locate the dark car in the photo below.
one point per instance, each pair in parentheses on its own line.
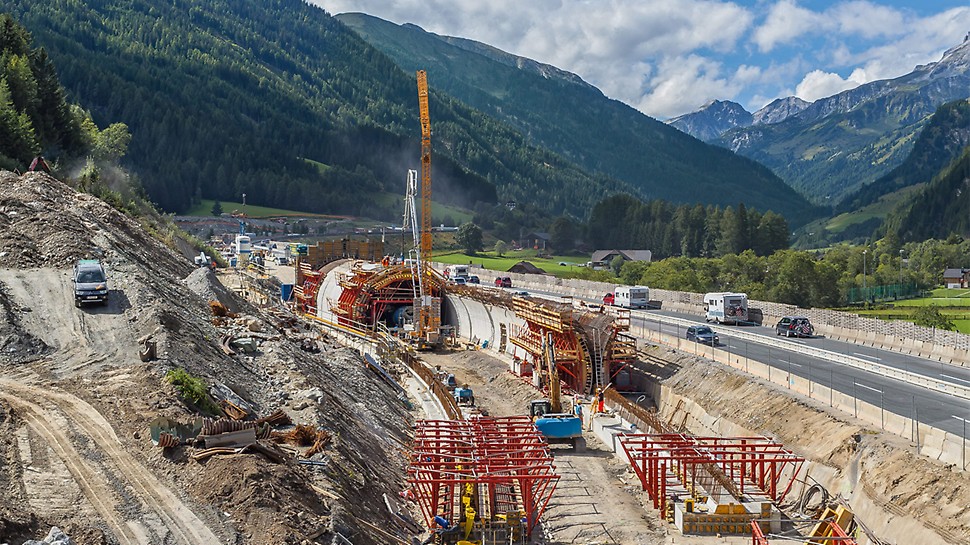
(702,334)
(474,280)
(794,326)
(90,282)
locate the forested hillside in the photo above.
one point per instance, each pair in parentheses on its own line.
(558,111)
(621,221)
(939,143)
(33,113)
(941,209)
(843,142)
(278,100)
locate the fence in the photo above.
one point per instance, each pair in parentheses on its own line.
(889,292)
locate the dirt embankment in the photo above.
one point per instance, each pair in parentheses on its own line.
(901,496)
(75,399)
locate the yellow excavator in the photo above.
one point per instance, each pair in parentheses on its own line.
(555,425)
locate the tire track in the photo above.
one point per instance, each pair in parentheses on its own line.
(93,486)
(184,526)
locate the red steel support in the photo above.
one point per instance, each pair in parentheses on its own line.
(757,460)
(506,459)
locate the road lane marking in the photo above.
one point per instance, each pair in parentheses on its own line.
(955,378)
(866,356)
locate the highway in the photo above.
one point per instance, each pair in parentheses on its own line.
(946,412)
(933,408)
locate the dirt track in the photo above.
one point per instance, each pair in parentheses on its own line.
(156,501)
(131,501)
(89,338)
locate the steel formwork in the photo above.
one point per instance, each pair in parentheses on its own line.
(748,461)
(591,348)
(481,472)
(370,292)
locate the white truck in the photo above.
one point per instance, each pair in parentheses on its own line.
(456,271)
(631,296)
(726,308)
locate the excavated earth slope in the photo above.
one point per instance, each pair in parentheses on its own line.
(76,400)
(901,496)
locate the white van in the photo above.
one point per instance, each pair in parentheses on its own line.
(456,271)
(726,308)
(631,296)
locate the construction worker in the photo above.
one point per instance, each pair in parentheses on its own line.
(600,401)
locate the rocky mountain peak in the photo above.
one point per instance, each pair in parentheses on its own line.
(713,119)
(779,109)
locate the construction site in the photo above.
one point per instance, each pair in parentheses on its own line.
(369,399)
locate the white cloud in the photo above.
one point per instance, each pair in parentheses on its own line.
(786,22)
(703,77)
(668,57)
(818,84)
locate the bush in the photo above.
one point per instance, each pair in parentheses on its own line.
(191,389)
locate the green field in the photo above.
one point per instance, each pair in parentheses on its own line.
(941,297)
(205,209)
(438,211)
(954,304)
(492,262)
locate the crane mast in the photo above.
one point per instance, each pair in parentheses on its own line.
(428,318)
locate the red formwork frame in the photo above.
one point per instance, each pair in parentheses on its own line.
(752,461)
(839,537)
(504,463)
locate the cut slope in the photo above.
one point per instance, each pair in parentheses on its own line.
(83,402)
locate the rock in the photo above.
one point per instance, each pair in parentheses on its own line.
(314,393)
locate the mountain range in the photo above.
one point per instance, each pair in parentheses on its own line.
(278,100)
(835,145)
(557,110)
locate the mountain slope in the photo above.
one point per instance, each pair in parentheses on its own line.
(941,209)
(941,141)
(843,142)
(278,100)
(713,120)
(575,120)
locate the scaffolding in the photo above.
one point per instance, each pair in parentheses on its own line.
(490,479)
(373,293)
(711,467)
(592,348)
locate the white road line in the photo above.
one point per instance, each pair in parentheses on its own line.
(868,387)
(955,378)
(867,356)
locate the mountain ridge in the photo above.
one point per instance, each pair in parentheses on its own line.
(578,122)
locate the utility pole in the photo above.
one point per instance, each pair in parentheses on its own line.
(865,289)
(899,290)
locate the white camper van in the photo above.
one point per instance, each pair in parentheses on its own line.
(726,308)
(631,296)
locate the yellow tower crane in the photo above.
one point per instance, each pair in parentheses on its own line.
(429,317)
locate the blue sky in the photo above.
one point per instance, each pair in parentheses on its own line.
(669,57)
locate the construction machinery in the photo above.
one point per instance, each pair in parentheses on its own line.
(555,425)
(428,330)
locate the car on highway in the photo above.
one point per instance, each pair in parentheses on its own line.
(90,282)
(794,326)
(459,281)
(474,280)
(503,282)
(520,293)
(702,334)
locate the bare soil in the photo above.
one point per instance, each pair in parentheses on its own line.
(76,401)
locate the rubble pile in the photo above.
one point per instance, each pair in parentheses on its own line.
(254,363)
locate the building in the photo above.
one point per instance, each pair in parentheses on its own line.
(606,257)
(956,278)
(536,240)
(524,267)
